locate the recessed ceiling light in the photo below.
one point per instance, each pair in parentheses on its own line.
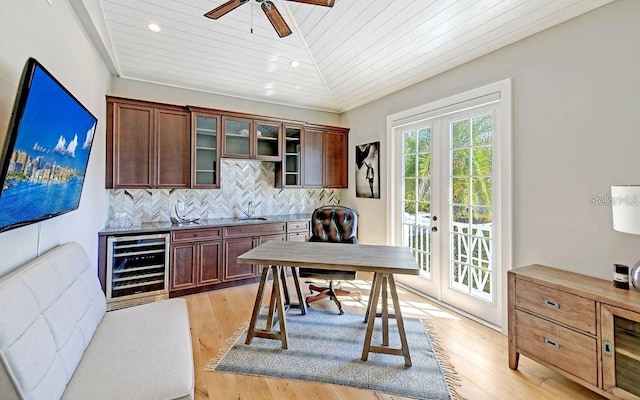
(153,27)
(294,64)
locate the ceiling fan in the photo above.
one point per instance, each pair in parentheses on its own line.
(269,9)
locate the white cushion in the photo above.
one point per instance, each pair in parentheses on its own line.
(141,353)
(50,310)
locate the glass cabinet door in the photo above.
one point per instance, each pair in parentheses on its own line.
(206,143)
(621,352)
(267,140)
(237,137)
(292,156)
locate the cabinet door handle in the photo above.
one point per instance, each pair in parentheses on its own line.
(607,348)
(551,304)
(551,343)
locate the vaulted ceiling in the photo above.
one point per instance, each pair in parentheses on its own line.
(348,55)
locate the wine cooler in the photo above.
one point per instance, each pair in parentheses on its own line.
(137,270)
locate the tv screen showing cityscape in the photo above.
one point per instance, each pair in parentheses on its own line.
(46,151)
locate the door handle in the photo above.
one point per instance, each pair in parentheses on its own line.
(434,229)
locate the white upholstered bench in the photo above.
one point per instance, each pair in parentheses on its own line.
(57,341)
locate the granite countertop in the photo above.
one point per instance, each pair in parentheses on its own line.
(159,227)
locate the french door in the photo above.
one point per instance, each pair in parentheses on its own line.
(448,209)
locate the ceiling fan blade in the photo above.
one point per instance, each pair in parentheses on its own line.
(326,3)
(276,19)
(225,8)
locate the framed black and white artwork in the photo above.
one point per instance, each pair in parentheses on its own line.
(368,170)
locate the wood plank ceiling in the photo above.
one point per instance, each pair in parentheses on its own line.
(348,55)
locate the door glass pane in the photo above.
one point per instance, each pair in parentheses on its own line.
(206,151)
(471,267)
(292,156)
(237,137)
(416,225)
(267,139)
(627,343)
(482,164)
(482,191)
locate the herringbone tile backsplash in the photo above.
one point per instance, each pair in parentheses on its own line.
(241,181)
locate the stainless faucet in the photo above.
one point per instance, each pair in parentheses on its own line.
(249,211)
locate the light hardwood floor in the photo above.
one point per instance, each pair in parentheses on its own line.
(478,353)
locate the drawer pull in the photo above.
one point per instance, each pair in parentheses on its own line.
(551,343)
(607,348)
(551,304)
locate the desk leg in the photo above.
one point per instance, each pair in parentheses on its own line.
(272,309)
(400,321)
(373,306)
(296,281)
(283,276)
(385,312)
(276,302)
(257,305)
(277,287)
(386,279)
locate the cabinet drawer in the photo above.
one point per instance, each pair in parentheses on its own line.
(190,235)
(566,349)
(297,237)
(254,230)
(298,226)
(566,308)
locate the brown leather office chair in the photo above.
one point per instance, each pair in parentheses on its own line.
(335,224)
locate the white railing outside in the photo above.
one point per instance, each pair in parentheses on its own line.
(471,261)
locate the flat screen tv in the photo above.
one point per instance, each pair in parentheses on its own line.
(46,151)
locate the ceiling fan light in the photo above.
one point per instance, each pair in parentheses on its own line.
(153,27)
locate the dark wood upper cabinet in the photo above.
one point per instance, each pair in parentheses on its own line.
(251,138)
(237,137)
(335,159)
(313,164)
(268,140)
(173,149)
(205,151)
(153,145)
(148,145)
(129,145)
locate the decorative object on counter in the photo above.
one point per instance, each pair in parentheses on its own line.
(621,276)
(634,276)
(368,170)
(123,220)
(176,218)
(625,208)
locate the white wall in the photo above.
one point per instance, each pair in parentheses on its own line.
(52,35)
(576,98)
(133,89)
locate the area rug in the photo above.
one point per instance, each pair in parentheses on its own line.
(326,347)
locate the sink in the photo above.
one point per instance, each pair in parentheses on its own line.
(252,219)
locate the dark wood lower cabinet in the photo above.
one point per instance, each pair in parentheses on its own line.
(195,264)
(183,266)
(206,258)
(232,249)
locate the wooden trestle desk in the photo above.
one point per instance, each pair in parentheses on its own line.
(383,261)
